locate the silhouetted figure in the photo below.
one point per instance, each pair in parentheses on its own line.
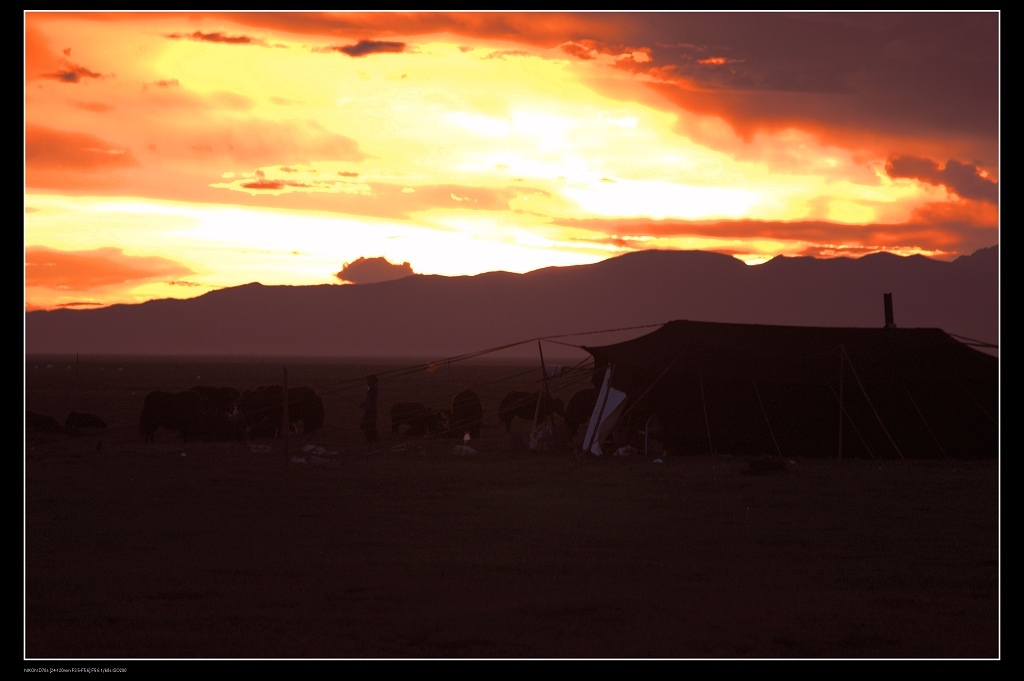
(369,423)
(580,408)
(467,414)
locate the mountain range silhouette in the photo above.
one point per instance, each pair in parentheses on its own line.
(432,316)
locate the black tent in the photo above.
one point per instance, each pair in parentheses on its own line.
(807,391)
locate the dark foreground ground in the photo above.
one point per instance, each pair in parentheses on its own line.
(171,551)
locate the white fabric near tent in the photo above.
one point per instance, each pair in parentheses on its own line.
(607,409)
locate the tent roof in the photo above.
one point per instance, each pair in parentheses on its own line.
(799,353)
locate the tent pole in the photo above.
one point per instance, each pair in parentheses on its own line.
(707,421)
(855,429)
(285,416)
(765,415)
(606,387)
(547,394)
(975,400)
(870,404)
(841,352)
(927,427)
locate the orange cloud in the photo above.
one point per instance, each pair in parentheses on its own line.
(46,148)
(543,29)
(843,92)
(102,267)
(963,222)
(213,38)
(938,229)
(837,73)
(272,184)
(720,229)
(67,160)
(170,94)
(250,143)
(580,50)
(377,199)
(95,107)
(39,55)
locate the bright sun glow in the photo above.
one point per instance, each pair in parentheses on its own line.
(204,151)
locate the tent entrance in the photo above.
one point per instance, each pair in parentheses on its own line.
(607,410)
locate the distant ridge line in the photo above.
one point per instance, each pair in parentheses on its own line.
(434,316)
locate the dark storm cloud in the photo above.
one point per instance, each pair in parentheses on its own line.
(370,270)
(927,74)
(214,38)
(716,70)
(366,47)
(963,179)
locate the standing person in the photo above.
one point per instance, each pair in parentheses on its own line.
(369,423)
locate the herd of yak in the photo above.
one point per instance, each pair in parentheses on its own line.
(466,413)
(222,414)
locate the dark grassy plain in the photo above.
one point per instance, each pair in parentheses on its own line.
(237,551)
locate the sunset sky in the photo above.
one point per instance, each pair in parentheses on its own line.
(170,154)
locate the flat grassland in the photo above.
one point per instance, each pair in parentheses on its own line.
(315,548)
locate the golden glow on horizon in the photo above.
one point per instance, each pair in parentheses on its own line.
(281,159)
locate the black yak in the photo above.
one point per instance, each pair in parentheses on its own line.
(223,399)
(41,423)
(467,414)
(217,427)
(262,409)
(77,419)
(181,411)
(419,419)
(524,405)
